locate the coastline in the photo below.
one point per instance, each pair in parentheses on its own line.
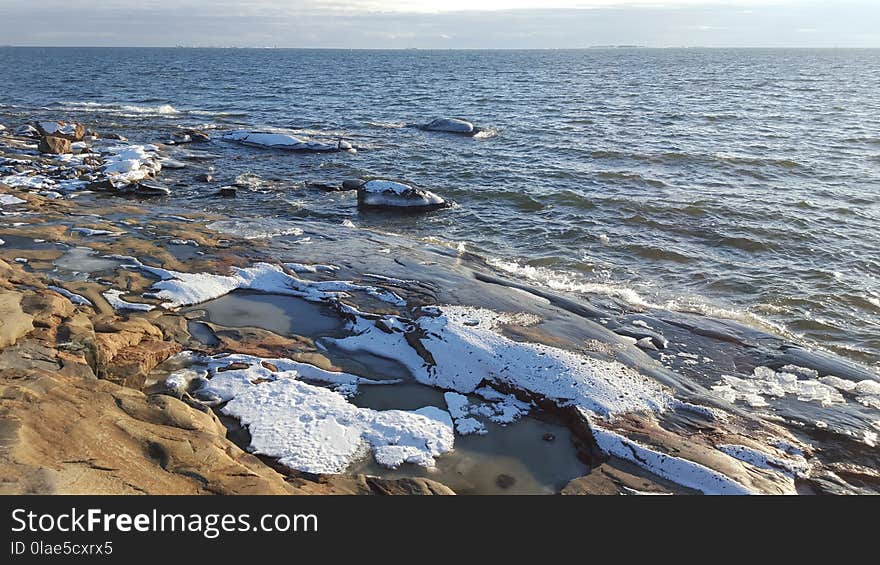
(136,296)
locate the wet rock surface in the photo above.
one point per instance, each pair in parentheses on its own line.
(115,313)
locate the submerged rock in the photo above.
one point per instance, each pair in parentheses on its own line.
(450,125)
(285,141)
(391,194)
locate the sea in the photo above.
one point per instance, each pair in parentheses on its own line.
(739,183)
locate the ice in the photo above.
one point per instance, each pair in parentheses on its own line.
(793,466)
(467,350)
(765,382)
(77,299)
(316,430)
(680,471)
(114,298)
(286,141)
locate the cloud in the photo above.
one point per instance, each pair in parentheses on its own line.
(439,23)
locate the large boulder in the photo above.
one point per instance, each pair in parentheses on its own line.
(392,194)
(54,145)
(67,130)
(450,125)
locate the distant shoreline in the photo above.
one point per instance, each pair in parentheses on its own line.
(464,49)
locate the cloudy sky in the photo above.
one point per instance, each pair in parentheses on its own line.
(442,23)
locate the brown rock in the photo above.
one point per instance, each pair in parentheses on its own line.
(79,131)
(47,307)
(607,479)
(14,322)
(129,367)
(68,435)
(54,145)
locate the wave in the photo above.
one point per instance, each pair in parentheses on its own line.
(126,109)
(564,282)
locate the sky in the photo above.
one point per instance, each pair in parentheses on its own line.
(442,24)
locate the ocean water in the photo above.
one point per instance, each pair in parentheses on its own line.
(739,183)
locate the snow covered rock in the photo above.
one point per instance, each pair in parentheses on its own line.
(128,164)
(285,141)
(391,194)
(67,130)
(450,125)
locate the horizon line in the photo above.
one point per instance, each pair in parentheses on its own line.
(585,48)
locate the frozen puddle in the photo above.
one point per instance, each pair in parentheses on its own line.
(81,262)
(512,459)
(283,315)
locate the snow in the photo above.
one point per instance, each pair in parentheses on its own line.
(765,382)
(24,180)
(128,164)
(387,193)
(453,125)
(58,127)
(794,466)
(458,409)
(468,350)
(77,299)
(184,289)
(89,232)
(114,298)
(316,430)
(300,268)
(680,471)
(226,384)
(10,200)
(284,141)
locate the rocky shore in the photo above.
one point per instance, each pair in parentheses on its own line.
(120,374)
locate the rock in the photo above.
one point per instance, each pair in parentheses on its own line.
(102,184)
(227,192)
(205,177)
(352,184)
(14,322)
(54,145)
(505,481)
(606,479)
(272,140)
(450,125)
(407,486)
(233,367)
(152,188)
(26,130)
(197,136)
(115,136)
(68,130)
(326,187)
(70,435)
(48,308)
(173,164)
(391,194)
(131,365)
